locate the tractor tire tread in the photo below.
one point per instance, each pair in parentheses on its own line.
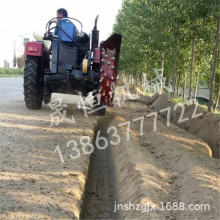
(33,87)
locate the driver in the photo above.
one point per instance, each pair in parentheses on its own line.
(61,13)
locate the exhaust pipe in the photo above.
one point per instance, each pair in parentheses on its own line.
(95,35)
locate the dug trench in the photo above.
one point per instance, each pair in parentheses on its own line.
(100,190)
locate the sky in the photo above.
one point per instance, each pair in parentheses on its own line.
(28,16)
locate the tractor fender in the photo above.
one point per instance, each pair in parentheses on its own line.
(34,49)
(38,49)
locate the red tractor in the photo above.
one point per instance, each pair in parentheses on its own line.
(72,66)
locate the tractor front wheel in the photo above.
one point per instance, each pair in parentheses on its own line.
(33,83)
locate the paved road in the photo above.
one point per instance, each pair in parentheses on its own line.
(11,89)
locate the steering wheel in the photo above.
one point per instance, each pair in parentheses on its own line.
(54,21)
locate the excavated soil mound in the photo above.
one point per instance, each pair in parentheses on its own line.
(196,121)
(162,166)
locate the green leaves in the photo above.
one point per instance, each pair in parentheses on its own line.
(153,27)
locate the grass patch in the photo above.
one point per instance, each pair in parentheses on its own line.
(180,100)
(11,72)
(201,104)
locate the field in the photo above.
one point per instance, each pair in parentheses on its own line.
(162,169)
(10,72)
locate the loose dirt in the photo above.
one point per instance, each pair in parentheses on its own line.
(197,120)
(166,166)
(34,183)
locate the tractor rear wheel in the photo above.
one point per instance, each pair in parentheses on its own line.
(33,83)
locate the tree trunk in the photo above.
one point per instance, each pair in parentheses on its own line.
(161,79)
(143,83)
(174,70)
(214,65)
(196,87)
(140,80)
(136,79)
(217,99)
(192,62)
(129,79)
(150,78)
(184,88)
(178,85)
(169,84)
